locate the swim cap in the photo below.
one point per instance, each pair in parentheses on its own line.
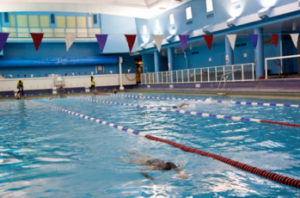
(174,107)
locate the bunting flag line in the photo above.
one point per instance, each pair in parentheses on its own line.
(158,38)
(101,38)
(209,40)
(3,39)
(37,39)
(275,38)
(232,39)
(70,40)
(183,41)
(295,38)
(130,40)
(254,38)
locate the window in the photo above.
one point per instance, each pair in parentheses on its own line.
(71,21)
(12,20)
(235,1)
(81,21)
(90,20)
(188,12)
(33,21)
(44,21)
(145,29)
(171,17)
(157,24)
(22,21)
(209,6)
(60,22)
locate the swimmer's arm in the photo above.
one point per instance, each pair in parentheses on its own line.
(181,173)
(138,155)
(143,172)
(182,105)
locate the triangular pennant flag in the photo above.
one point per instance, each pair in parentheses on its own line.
(183,41)
(84,73)
(101,38)
(46,75)
(24,75)
(66,74)
(18,75)
(130,40)
(69,40)
(232,39)
(254,38)
(158,38)
(209,40)
(37,39)
(295,38)
(79,73)
(3,39)
(275,38)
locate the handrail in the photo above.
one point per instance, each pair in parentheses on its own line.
(207,74)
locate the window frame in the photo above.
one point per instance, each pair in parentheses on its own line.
(212,6)
(186,13)
(171,19)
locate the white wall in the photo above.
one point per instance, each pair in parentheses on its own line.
(70,82)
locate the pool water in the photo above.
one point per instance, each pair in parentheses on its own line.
(49,153)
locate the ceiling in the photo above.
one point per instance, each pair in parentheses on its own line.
(133,8)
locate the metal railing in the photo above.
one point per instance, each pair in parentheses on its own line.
(235,73)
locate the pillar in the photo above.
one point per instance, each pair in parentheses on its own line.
(156,61)
(170,64)
(228,52)
(120,69)
(259,54)
(170,58)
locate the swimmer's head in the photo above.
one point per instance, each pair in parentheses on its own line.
(174,107)
(92,77)
(169,166)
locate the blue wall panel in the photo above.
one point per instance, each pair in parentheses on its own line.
(116,27)
(148,63)
(244,51)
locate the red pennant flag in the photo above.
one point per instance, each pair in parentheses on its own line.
(130,40)
(66,74)
(46,75)
(209,40)
(37,39)
(24,75)
(275,38)
(85,73)
(104,72)
(3,76)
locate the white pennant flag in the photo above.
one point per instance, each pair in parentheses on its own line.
(69,40)
(232,39)
(158,40)
(295,38)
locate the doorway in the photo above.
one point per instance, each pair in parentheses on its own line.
(138,69)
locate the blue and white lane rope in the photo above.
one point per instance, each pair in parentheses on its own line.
(219,101)
(94,119)
(193,113)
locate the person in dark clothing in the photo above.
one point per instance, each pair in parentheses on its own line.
(154,164)
(20,88)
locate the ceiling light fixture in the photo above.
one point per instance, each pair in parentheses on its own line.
(265,13)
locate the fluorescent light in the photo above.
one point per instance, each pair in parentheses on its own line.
(143,45)
(232,22)
(264,13)
(145,29)
(209,6)
(207,29)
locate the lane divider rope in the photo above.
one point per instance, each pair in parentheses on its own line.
(219,101)
(194,113)
(260,172)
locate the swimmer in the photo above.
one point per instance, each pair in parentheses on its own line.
(115,90)
(20,89)
(180,106)
(154,164)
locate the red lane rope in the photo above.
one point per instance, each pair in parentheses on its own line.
(263,173)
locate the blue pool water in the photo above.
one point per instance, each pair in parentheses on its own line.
(49,153)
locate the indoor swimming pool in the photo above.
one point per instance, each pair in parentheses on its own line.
(50,153)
